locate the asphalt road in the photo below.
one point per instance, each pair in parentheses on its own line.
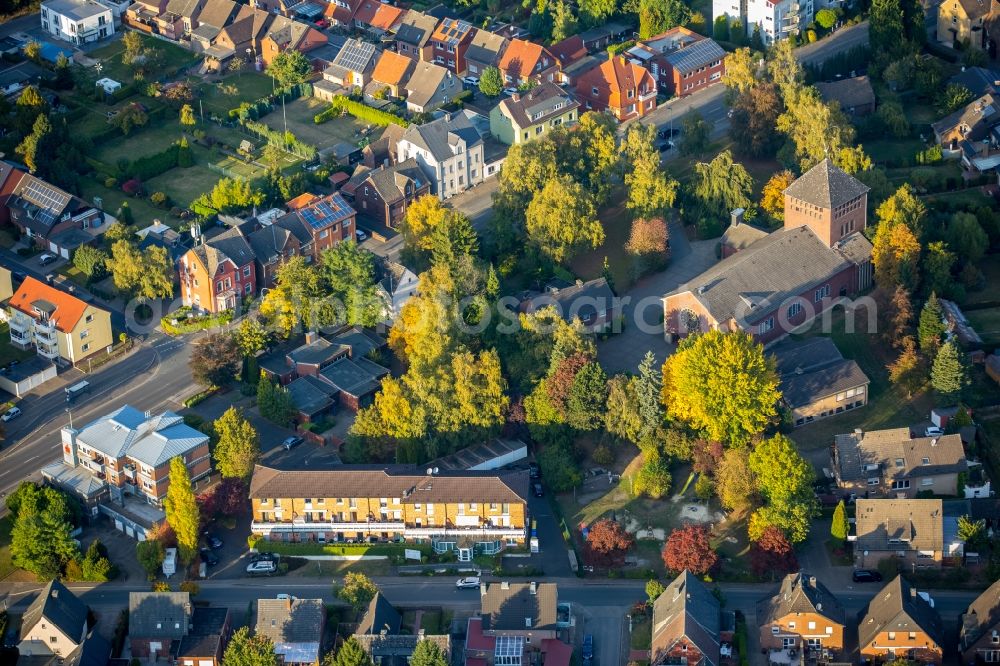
(153,377)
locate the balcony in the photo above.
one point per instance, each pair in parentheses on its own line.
(19,324)
(646,96)
(48,351)
(45,336)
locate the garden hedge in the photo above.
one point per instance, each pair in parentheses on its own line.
(361,111)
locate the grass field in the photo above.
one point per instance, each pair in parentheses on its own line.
(987,324)
(9,352)
(214,97)
(140,143)
(142,210)
(173,58)
(6,564)
(299,116)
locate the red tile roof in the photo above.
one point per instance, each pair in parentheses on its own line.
(569,50)
(475,639)
(521,57)
(68,309)
(391,68)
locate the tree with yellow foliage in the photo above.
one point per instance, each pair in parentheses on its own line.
(772,199)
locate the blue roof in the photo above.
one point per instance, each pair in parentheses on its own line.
(51,52)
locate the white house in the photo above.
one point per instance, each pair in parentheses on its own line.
(77,21)
(449,151)
(777,20)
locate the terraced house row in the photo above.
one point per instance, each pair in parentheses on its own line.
(452,510)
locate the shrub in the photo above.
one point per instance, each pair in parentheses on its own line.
(132,187)
(158,198)
(603,456)
(110,182)
(360,111)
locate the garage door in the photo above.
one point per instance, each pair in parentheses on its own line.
(64,253)
(53,247)
(129,531)
(120,526)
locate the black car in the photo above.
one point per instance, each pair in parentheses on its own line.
(539,491)
(666,133)
(258,557)
(866,576)
(208,557)
(213,541)
(534,471)
(588,649)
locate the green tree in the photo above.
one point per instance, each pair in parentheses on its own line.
(350,654)
(967,238)
(289,68)
(36,148)
(29,106)
(722,185)
(585,405)
(972,532)
(90,261)
(826,18)
(251,337)
(182,510)
(734,483)
(238,449)
(695,134)
(839,527)
(187,115)
(720,29)
(886,33)
(33,50)
(653,478)
(274,403)
(146,274)
(949,373)
(651,191)
(40,540)
(491,82)
(357,591)
(816,130)
(656,16)
(952,98)
(754,118)
(937,265)
(931,327)
(427,653)
(133,45)
(562,219)
(596,12)
(150,555)
(349,272)
(215,360)
(246,649)
(564,23)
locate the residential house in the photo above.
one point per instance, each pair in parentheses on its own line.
(449,43)
(272,246)
(822,252)
(206,640)
(971,123)
(295,626)
(689,626)
(155,621)
(901,623)
(10,177)
(55,624)
(313,355)
(961,23)
(61,327)
(326,222)
(979,638)
(620,87)
(211,19)
(449,150)
(377,18)
(340,13)
(385,194)
(429,87)
(379,635)
(523,60)
(13,80)
(602,36)
(525,116)
(413,36)
(128,452)
(817,381)
(353,66)
(803,616)
(519,615)
(891,463)
(681,61)
(241,35)
(485,50)
(218,273)
(978,80)
(592,303)
(911,530)
(397,286)
(77,21)
(462,511)
(51,218)
(569,51)
(354,381)
(285,34)
(381,617)
(854,95)
(391,71)
(178,18)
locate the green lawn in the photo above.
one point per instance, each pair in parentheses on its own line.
(6,563)
(143,211)
(9,352)
(173,58)
(184,185)
(299,116)
(986,322)
(142,142)
(642,634)
(215,99)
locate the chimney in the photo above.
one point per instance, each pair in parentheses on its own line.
(482,589)
(913,593)
(55,593)
(736,216)
(311,337)
(504,585)
(819,606)
(533,587)
(812,580)
(516,97)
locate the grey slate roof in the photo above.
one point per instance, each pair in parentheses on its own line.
(207,626)
(269,242)
(431,85)
(801,593)
(416,28)
(230,245)
(894,524)
(849,93)
(314,353)
(741,236)
(979,115)
(575,301)
(982,616)
(747,285)
(58,606)
(699,54)
(151,440)
(813,368)
(294,224)
(184,8)
(357,377)
(159,614)
(486,47)
(380,616)
(389,182)
(827,186)
(438,136)
(538,105)
(519,606)
(978,80)
(398,648)
(310,395)
(392,481)
(898,607)
(686,609)
(897,455)
(291,620)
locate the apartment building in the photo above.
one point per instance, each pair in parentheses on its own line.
(60,326)
(77,21)
(463,511)
(777,20)
(130,451)
(449,150)
(449,43)
(681,61)
(218,273)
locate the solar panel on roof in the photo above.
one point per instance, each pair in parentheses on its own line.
(46,197)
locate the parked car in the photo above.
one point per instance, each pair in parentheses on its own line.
(285,597)
(11,414)
(360,235)
(665,146)
(291,442)
(46,259)
(539,491)
(510,91)
(322,24)
(587,652)
(467,583)
(866,576)
(208,557)
(471,81)
(213,541)
(262,568)
(534,471)
(668,132)
(933,431)
(264,557)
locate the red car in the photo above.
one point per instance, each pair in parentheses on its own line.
(322,23)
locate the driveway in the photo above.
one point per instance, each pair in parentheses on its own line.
(643,309)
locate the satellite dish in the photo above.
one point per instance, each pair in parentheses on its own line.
(436,470)
(429,471)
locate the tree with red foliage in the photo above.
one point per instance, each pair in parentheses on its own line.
(226,499)
(772,554)
(132,187)
(706,455)
(560,382)
(608,540)
(688,548)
